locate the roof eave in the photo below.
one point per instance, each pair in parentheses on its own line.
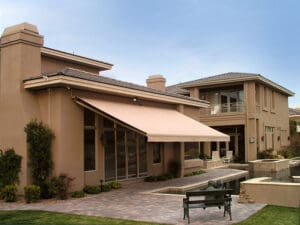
(53,53)
(236,80)
(60,80)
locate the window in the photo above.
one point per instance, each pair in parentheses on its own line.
(227,101)
(265,97)
(298,127)
(257,94)
(157,152)
(191,150)
(269,138)
(272,100)
(89,141)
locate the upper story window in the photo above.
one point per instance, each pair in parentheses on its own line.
(227,101)
(272,100)
(265,97)
(257,94)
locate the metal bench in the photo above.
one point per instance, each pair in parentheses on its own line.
(212,198)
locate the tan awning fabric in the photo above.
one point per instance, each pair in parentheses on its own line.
(158,124)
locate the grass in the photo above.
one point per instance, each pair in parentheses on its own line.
(51,218)
(275,215)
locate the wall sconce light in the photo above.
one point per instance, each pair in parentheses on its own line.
(251,140)
(262,138)
(289,138)
(278,138)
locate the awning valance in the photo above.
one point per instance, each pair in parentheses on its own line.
(158,124)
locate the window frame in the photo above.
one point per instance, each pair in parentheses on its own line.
(88,128)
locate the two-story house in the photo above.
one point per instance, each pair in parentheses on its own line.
(250,108)
(105,129)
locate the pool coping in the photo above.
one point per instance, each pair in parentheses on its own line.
(159,191)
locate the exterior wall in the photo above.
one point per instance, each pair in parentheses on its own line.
(65,118)
(52,65)
(262,190)
(276,117)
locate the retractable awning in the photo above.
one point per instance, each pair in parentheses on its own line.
(158,124)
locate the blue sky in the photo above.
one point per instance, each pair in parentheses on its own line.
(180,39)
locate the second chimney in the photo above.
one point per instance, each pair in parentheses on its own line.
(157,82)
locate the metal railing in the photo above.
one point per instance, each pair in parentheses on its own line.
(223,108)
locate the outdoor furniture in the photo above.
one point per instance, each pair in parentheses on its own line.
(212,198)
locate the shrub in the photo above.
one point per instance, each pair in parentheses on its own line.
(45,190)
(78,194)
(59,186)
(32,193)
(174,167)
(290,152)
(115,185)
(10,166)
(9,193)
(195,173)
(266,154)
(162,177)
(39,139)
(105,187)
(150,179)
(91,189)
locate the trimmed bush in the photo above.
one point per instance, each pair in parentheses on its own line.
(39,138)
(174,167)
(9,193)
(89,189)
(46,190)
(162,177)
(59,186)
(195,173)
(106,187)
(78,194)
(10,166)
(115,185)
(32,193)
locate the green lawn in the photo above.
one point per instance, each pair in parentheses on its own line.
(275,215)
(51,218)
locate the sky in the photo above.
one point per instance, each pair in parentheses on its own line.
(181,39)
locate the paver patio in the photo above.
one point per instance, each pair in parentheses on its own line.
(131,202)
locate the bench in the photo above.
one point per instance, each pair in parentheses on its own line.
(212,198)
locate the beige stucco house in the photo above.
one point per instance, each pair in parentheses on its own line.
(295,116)
(250,108)
(105,129)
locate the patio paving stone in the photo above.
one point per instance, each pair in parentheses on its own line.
(132,203)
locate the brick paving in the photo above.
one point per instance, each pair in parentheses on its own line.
(133,203)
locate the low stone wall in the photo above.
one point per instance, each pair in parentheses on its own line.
(193,165)
(208,164)
(278,169)
(263,190)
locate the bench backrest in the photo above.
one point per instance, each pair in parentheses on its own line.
(209,193)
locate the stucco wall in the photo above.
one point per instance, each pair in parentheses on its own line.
(261,190)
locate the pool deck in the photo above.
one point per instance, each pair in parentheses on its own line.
(135,201)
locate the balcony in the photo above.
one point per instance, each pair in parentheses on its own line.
(223,109)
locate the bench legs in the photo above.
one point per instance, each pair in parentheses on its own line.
(227,208)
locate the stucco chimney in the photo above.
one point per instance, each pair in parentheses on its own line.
(20,58)
(157,82)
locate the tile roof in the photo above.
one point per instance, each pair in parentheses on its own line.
(294,112)
(223,76)
(231,76)
(76,73)
(177,90)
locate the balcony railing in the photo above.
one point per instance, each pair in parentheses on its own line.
(223,109)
